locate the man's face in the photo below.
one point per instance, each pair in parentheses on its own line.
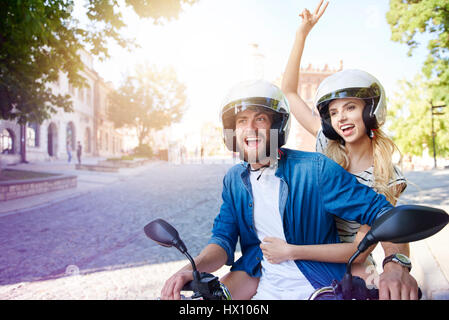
(252,129)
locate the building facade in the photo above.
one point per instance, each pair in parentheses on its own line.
(59,135)
(109,141)
(310,78)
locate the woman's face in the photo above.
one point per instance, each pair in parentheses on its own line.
(346,118)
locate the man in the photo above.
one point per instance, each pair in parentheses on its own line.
(69,152)
(79,150)
(291,195)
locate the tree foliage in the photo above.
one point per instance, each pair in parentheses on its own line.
(410,116)
(38,39)
(150,99)
(411,18)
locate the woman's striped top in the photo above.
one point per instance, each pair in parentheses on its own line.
(348,229)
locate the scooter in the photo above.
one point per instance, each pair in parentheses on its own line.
(402,224)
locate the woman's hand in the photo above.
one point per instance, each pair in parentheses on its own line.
(309,20)
(275,250)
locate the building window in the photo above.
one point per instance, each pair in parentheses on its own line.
(89,96)
(33,135)
(70,135)
(6,142)
(100,140)
(87,140)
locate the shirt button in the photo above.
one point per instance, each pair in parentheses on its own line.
(250,204)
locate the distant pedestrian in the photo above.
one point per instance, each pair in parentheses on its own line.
(183,154)
(202,154)
(79,151)
(69,152)
(196,153)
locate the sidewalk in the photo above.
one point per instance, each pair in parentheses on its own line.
(86,182)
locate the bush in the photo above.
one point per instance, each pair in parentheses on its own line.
(125,157)
(144,151)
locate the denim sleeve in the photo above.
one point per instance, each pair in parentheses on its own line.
(345,197)
(225,230)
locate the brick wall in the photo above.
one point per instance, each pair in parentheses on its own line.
(19,189)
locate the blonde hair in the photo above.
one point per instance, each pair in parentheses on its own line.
(383,173)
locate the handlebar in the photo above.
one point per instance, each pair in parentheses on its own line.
(211,289)
(354,290)
(373,294)
(207,287)
(188,286)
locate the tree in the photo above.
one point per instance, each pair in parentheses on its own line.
(409,19)
(38,39)
(150,99)
(410,116)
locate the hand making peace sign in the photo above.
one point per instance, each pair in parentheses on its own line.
(309,19)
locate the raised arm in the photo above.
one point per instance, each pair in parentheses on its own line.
(299,108)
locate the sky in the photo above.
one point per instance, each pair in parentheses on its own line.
(209,46)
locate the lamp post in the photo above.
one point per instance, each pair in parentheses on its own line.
(435,111)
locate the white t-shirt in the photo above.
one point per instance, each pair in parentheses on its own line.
(278,281)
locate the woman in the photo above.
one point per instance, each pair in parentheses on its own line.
(352,110)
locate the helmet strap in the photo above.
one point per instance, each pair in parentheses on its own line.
(369,118)
(280,154)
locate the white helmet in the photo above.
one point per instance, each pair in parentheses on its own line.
(255,94)
(352,84)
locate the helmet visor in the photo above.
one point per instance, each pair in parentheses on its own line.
(361,93)
(241,105)
(271,106)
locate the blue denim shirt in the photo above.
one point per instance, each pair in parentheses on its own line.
(313,188)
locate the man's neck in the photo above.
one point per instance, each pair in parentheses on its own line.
(265,163)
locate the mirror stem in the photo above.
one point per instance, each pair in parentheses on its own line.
(347,278)
(196,274)
(351,260)
(366,242)
(192,262)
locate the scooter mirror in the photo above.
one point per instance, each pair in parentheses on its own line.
(164,234)
(405,223)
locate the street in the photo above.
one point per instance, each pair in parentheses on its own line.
(103,230)
(93,246)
